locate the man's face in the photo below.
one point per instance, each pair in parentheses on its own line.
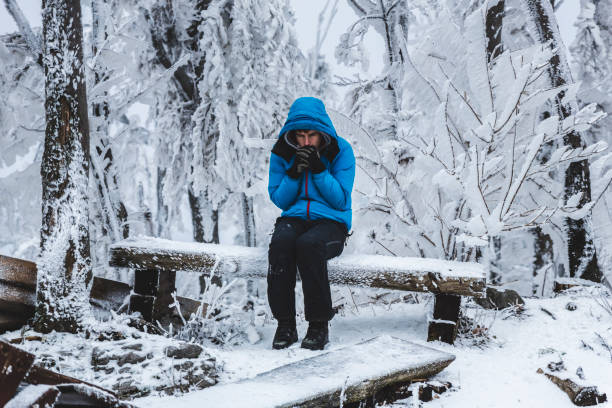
(308,138)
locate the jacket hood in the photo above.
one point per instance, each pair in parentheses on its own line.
(308,113)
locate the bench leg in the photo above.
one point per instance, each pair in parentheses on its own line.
(153,294)
(443,326)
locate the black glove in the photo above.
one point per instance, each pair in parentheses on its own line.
(314,159)
(300,164)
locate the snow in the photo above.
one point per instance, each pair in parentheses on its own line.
(28,396)
(494,368)
(21,163)
(253,259)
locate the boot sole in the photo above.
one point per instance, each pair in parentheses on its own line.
(283,346)
(314,348)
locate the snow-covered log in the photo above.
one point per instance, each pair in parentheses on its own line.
(333,379)
(412,274)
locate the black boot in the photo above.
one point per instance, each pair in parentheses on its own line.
(286,335)
(317,336)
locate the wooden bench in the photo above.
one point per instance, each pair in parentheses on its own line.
(18,293)
(156,262)
(350,374)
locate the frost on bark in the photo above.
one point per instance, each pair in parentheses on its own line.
(64,266)
(582,257)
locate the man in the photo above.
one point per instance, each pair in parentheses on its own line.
(312,170)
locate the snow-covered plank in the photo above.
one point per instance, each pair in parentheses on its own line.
(412,274)
(352,373)
(34,396)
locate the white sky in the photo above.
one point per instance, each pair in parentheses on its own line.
(306,12)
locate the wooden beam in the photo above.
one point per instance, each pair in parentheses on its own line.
(18,271)
(352,373)
(81,395)
(411,274)
(14,364)
(10,321)
(443,327)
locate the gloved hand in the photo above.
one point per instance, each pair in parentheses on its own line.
(300,164)
(313,158)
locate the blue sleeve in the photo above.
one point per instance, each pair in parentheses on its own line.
(336,183)
(283,190)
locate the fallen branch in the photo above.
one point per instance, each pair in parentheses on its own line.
(582,396)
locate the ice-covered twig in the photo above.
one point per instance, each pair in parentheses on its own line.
(33,41)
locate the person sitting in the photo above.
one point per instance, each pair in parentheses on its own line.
(312,171)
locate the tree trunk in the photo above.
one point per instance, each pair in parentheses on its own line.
(581,251)
(249,220)
(493,28)
(494,20)
(200,211)
(64,267)
(113,211)
(543,257)
(162,208)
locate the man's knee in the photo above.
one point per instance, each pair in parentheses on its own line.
(309,245)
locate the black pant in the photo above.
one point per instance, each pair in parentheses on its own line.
(307,244)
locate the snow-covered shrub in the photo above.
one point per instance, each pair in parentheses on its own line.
(226,315)
(470,158)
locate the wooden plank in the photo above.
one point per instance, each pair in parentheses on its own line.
(35,396)
(356,372)
(14,364)
(16,299)
(9,321)
(411,274)
(108,294)
(82,396)
(18,271)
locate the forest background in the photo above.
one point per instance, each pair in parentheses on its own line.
(192,166)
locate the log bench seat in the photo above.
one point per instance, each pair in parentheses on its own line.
(156,262)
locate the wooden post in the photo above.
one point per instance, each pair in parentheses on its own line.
(443,326)
(14,365)
(153,294)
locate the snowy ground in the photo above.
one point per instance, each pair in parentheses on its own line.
(495,367)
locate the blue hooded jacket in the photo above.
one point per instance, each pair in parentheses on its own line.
(313,196)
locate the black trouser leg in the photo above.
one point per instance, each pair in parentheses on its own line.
(282,268)
(324,240)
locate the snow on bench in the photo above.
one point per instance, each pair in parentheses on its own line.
(157,260)
(377,271)
(352,373)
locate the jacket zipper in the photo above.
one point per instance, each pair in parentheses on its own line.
(307,205)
